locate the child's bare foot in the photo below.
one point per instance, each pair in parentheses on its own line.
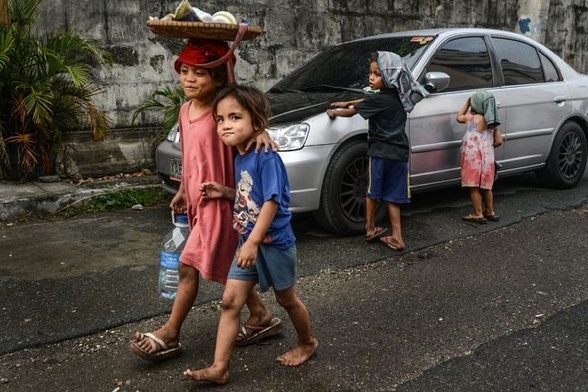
(299,354)
(393,243)
(208,374)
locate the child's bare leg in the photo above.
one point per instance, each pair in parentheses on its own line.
(476,198)
(395,240)
(169,333)
(234,297)
(307,343)
(258,313)
(370,212)
(488,199)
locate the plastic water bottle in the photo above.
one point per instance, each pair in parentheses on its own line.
(171,248)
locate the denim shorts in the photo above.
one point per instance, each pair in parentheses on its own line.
(274,268)
(388,180)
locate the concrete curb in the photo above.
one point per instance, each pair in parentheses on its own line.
(17,199)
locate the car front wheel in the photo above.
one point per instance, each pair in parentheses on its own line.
(567,160)
(342,205)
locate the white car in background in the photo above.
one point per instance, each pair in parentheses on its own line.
(543,107)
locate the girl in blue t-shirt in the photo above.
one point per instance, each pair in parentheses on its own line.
(267,250)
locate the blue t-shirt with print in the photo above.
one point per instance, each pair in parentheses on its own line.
(258,178)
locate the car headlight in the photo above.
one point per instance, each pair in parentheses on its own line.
(173,133)
(290,136)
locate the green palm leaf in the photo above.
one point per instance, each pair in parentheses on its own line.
(46,91)
(166,101)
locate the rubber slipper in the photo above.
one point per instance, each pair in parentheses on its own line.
(474,219)
(493,218)
(161,352)
(378,231)
(250,334)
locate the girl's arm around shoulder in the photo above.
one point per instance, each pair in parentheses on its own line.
(262,140)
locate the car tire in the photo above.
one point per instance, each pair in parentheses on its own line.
(342,203)
(566,163)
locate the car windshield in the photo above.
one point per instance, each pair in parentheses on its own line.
(345,66)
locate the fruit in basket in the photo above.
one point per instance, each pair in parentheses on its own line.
(224,17)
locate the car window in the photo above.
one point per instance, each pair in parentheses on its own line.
(549,69)
(519,61)
(346,66)
(466,61)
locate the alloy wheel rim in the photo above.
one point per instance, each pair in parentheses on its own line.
(570,156)
(353,189)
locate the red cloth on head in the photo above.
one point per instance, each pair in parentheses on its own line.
(201,51)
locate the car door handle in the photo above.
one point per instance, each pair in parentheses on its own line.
(559,99)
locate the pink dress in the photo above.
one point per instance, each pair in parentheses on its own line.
(477,157)
(212,242)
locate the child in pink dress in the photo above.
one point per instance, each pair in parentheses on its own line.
(477,154)
(212,242)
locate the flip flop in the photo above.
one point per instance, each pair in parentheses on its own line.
(250,334)
(493,218)
(474,219)
(161,352)
(378,231)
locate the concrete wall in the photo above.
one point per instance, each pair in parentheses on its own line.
(294,31)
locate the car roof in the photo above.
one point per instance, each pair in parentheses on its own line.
(460,31)
(446,32)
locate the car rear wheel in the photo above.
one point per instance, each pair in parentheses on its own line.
(342,205)
(567,160)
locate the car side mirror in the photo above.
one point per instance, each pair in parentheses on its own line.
(436,81)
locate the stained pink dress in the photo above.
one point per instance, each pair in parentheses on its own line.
(477,157)
(212,242)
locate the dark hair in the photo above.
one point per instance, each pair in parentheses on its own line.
(251,99)
(373,57)
(220,75)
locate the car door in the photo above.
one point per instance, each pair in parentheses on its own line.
(535,101)
(435,135)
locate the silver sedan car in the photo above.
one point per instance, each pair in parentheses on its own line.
(543,107)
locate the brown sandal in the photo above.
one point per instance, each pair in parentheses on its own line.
(378,231)
(250,334)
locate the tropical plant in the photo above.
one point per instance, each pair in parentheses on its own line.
(46,91)
(167,101)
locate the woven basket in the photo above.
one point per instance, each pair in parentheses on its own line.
(219,31)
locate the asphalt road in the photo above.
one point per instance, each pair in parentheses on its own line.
(499,307)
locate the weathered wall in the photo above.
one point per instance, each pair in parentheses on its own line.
(294,31)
